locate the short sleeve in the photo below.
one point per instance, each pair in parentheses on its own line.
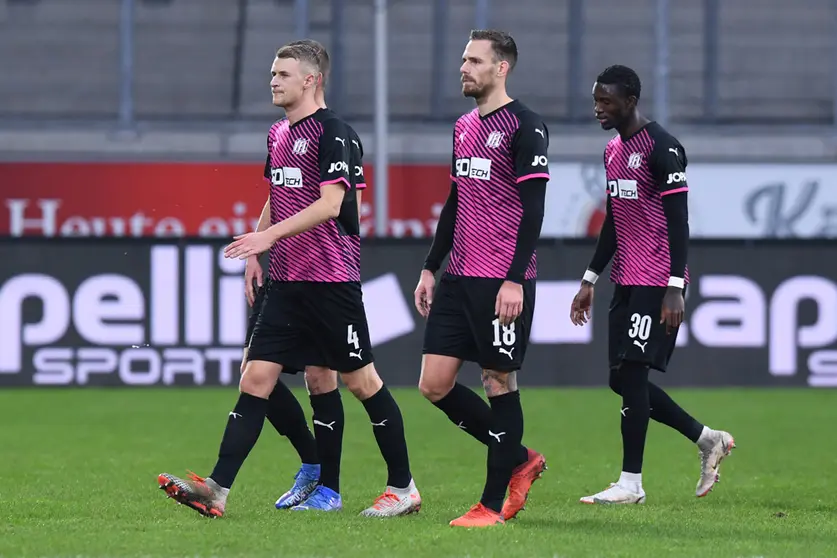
(356,157)
(529,148)
(333,153)
(668,165)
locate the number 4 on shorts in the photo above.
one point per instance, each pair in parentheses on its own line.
(351,337)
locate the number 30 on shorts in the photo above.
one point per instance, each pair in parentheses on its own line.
(640,327)
(503,335)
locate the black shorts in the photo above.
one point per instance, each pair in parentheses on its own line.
(318,324)
(634,329)
(256,310)
(251,326)
(462,323)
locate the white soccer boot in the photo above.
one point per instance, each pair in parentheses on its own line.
(394,502)
(713,447)
(617,493)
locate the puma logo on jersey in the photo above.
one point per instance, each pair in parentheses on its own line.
(507,352)
(357,354)
(641,345)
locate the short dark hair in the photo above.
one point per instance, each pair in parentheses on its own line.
(624,78)
(302,53)
(502,44)
(323,59)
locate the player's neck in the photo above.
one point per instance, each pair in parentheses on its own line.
(493,101)
(632,125)
(303,109)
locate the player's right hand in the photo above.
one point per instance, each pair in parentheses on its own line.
(424,292)
(252,272)
(580,310)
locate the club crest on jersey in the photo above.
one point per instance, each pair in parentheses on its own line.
(635,161)
(494,139)
(300,146)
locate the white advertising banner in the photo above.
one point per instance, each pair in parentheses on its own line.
(725,200)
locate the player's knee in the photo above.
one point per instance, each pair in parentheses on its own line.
(438,376)
(259,378)
(363,383)
(498,383)
(434,389)
(320,380)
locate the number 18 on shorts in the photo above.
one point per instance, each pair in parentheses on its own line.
(462,324)
(504,338)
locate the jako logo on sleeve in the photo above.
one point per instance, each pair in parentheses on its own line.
(339,166)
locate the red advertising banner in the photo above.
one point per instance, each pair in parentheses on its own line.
(184,199)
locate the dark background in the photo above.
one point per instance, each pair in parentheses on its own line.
(767,263)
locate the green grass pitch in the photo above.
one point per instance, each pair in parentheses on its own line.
(78,478)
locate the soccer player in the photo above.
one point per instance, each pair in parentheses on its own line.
(320,464)
(646,232)
(482,310)
(313,311)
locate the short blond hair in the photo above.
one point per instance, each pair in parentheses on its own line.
(323,59)
(302,53)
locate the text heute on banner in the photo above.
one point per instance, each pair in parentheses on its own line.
(167,200)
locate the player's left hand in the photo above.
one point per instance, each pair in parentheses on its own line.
(249,244)
(509,302)
(674,308)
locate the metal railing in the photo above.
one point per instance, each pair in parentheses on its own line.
(440,80)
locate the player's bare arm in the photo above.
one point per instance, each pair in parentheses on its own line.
(325,208)
(581,307)
(333,160)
